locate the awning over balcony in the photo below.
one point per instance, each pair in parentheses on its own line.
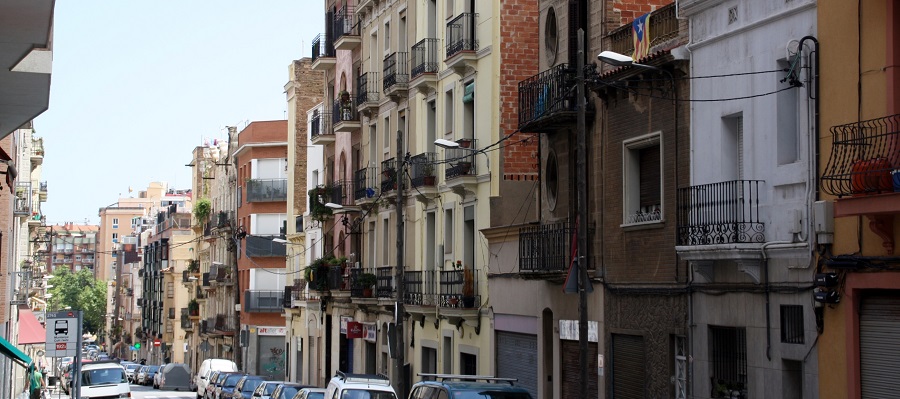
(9,350)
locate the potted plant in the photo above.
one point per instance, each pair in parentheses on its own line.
(366,281)
(468,288)
(428,178)
(202,209)
(194,307)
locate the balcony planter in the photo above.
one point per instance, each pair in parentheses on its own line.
(367,281)
(871,176)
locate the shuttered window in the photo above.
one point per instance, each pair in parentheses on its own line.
(728,360)
(628,366)
(571,370)
(879,348)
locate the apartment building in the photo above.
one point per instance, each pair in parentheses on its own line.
(73,246)
(859,147)
(119,219)
(261,159)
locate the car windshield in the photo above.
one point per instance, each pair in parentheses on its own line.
(270,388)
(103,376)
(288,391)
(153,369)
(133,366)
(316,395)
(250,384)
(232,380)
(366,394)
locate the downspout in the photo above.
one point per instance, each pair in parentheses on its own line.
(814,96)
(765,260)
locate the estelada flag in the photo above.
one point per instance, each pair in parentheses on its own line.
(640,30)
(571,284)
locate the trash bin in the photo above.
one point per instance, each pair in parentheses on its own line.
(52,380)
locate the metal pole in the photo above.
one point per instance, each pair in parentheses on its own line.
(582,221)
(76,371)
(401,204)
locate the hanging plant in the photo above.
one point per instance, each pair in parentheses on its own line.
(202,209)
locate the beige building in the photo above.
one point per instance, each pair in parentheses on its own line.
(120,219)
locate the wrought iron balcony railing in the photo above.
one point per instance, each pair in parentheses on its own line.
(22,206)
(342,192)
(424,57)
(720,213)
(396,72)
(422,169)
(461,34)
(263,301)
(459,289)
(320,125)
(384,282)
(327,278)
(663,26)
(460,161)
(264,246)
(365,183)
(421,289)
(389,175)
(864,155)
(225,323)
(223,218)
(547,99)
(266,190)
(545,248)
(322,46)
(367,88)
(344,110)
(37,147)
(345,23)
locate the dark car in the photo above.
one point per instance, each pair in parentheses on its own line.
(225,385)
(149,374)
(265,389)
(246,385)
(211,386)
(287,390)
(467,387)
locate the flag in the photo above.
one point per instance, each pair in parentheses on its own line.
(571,284)
(640,29)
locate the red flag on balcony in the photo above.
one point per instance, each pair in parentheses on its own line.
(571,284)
(640,29)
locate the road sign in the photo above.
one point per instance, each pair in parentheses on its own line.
(63,331)
(156,342)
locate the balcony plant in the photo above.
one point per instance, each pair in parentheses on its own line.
(468,288)
(202,209)
(428,175)
(194,307)
(366,281)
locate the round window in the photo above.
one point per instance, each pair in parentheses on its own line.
(551,39)
(551,179)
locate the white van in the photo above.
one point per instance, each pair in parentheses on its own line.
(201,380)
(104,380)
(370,386)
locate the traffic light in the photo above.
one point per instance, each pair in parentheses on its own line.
(137,345)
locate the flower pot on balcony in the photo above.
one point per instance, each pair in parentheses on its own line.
(464,143)
(468,302)
(367,292)
(871,176)
(428,180)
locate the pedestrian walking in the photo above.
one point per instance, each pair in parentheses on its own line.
(36,383)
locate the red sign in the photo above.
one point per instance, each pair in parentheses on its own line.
(156,342)
(60,346)
(354,330)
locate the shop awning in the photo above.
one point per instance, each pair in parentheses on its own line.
(30,329)
(9,350)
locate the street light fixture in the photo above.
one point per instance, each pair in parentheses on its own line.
(332,205)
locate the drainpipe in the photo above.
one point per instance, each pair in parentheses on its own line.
(814,95)
(765,260)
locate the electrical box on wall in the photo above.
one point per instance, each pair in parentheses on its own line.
(823,219)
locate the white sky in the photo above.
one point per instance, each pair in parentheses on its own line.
(138,84)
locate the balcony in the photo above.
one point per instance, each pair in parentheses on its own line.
(224,324)
(327,278)
(263,301)
(320,131)
(359,290)
(318,197)
(264,246)
(42,191)
(460,167)
(547,102)
(37,151)
(186,323)
(346,29)
(384,282)
(663,26)
(342,193)
(863,171)
(423,180)
(205,281)
(389,177)
(720,213)
(223,218)
(367,93)
(420,289)
(345,116)
(424,61)
(365,185)
(205,327)
(323,58)
(545,249)
(267,190)
(22,206)
(458,289)
(461,43)
(396,76)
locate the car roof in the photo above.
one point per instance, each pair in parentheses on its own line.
(101,365)
(463,382)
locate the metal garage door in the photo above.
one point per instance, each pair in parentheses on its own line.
(571,370)
(270,357)
(879,348)
(628,366)
(517,358)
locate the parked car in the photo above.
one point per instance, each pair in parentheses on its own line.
(466,387)
(148,376)
(202,379)
(141,375)
(310,393)
(287,390)
(174,377)
(265,389)
(359,385)
(131,371)
(226,388)
(246,385)
(213,389)
(104,380)
(157,376)
(211,385)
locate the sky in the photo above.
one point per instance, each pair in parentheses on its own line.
(137,84)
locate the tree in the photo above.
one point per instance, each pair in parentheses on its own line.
(80,291)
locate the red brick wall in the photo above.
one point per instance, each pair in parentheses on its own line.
(519,59)
(263,132)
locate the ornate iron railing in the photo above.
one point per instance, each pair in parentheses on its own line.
(384,282)
(548,97)
(345,23)
(720,213)
(266,190)
(341,192)
(420,288)
(424,57)
(367,88)
(422,169)
(461,34)
(396,73)
(322,46)
(365,183)
(864,157)
(320,124)
(344,111)
(545,248)
(453,287)
(389,175)
(460,161)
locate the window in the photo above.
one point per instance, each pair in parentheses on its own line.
(551,179)
(680,367)
(792,324)
(448,112)
(386,241)
(448,231)
(115,223)
(551,40)
(386,140)
(170,290)
(728,361)
(733,147)
(642,179)
(431,128)
(449,9)
(115,237)
(387,38)
(787,128)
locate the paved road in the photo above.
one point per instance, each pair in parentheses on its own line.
(142,392)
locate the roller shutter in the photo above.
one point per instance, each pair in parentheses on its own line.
(628,366)
(571,370)
(879,347)
(517,358)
